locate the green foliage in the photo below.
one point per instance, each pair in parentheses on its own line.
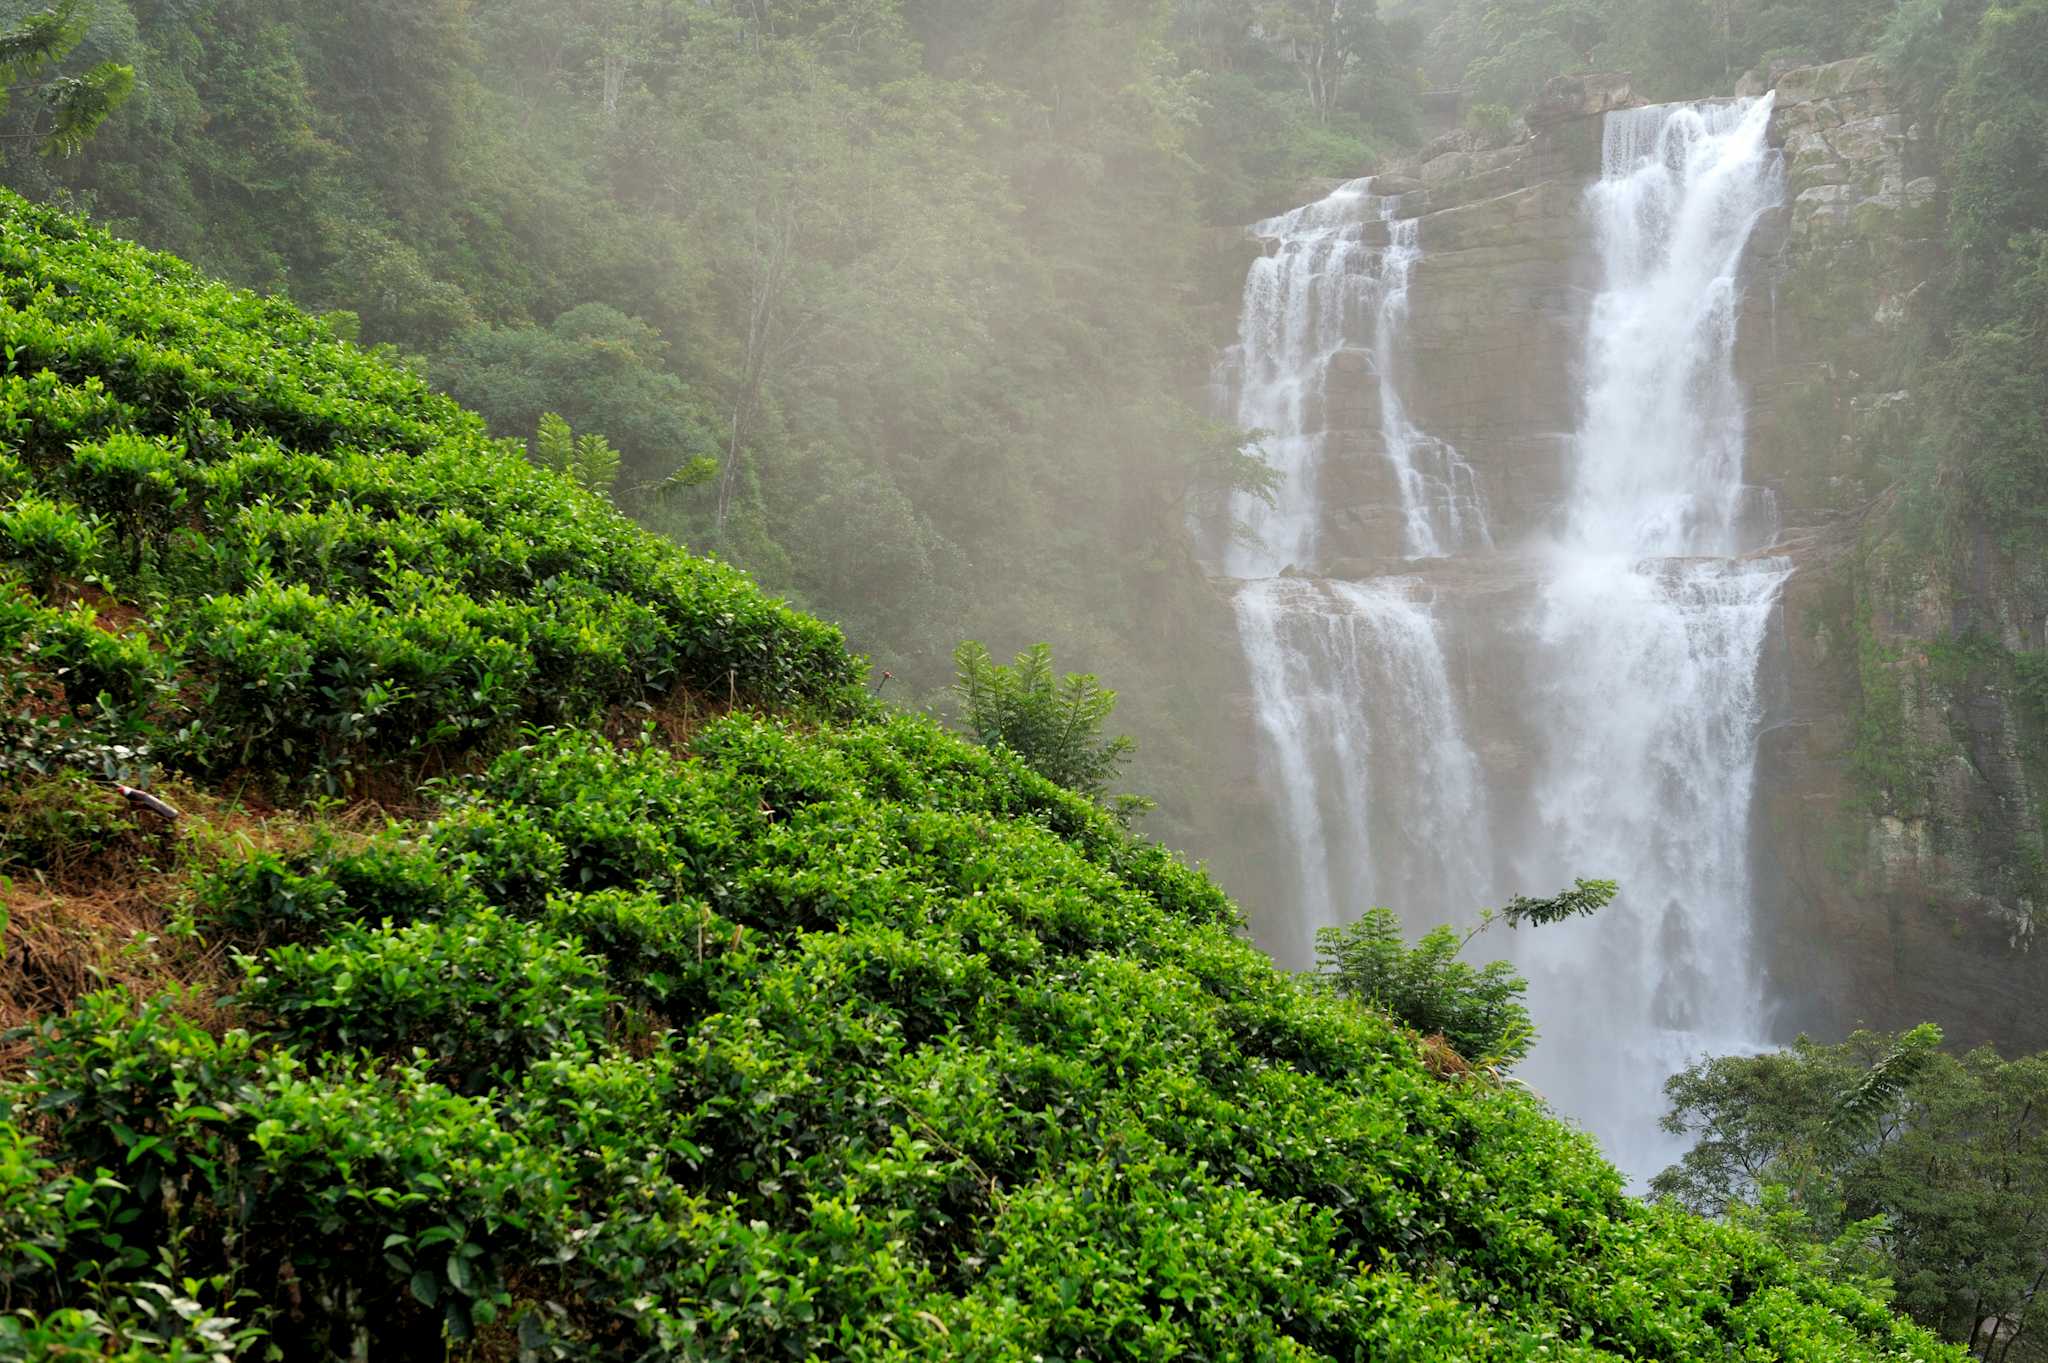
(1904,1162)
(1877,1091)
(1477,1011)
(850,289)
(1492,124)
(596,464)
(1502,51)
(273,896)
(481,993)
(947,1059)
(602,370)
(50,822)
(139,485)
(1988,393)
(320,601)
(1584,899)
(554,444)
(49,541)
(74,105)
(1054,725)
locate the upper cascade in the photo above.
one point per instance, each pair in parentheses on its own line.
(1334,281)
(1658,467)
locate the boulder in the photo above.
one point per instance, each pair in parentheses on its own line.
(1452,165)
(1582,96)
(1804,83)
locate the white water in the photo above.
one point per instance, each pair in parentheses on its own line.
(1648,637)
(1361,720)
(1335,278)
(1627,685)
(1301,304)
(1443,510)
(1362,735)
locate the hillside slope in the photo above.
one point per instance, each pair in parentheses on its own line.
(771,1027)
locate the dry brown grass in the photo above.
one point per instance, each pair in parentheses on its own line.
(676,717)
(117,914)
(1441,1059)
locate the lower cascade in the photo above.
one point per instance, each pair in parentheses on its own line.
(1514,705)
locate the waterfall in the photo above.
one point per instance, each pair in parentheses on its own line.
(1442,508)
(1302,302)
(1364,745)
(1604,720)
(1648,632)
(1352,693)
(1334,279)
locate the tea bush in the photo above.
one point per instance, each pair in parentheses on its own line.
(338,563)
(48,541)
(859,1042)
(485,994)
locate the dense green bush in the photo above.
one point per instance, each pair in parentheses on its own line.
(479,991)
(938,1062)
(350,572)
(48,541)
(1478,1010)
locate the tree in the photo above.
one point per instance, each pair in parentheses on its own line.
(1477,1011)
(1322,39)
(599,368)
(73,107)
(587,460)
(1936,1164)
(1055,726)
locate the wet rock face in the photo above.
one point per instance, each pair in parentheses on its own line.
(1884,857)
(1845,141)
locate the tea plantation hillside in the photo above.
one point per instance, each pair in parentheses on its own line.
(558,956)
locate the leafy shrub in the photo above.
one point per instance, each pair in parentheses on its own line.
(351,569)
(942,1072)
(480,994)
(96,668)
(1056,727)
(48,823)
(334,683)
(271,896)
(1478,1011)
(655,952)
(48,541)
(138,484)
(1492,124)
(505,854)
(14,477)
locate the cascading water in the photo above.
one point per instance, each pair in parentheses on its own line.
(1621,682)
(1302,303)
(1648,635)
(1349,679)
(1352,694)
(1335,276)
